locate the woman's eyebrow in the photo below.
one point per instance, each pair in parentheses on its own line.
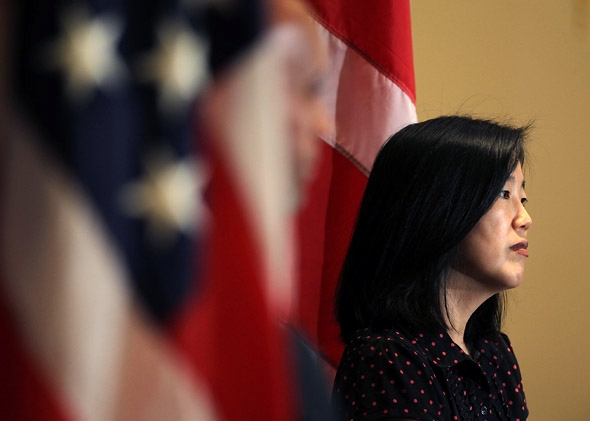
(512,179)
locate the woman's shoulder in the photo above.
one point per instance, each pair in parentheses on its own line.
(498,342)
(498,350)
(387,372)
(383,344)
(392,336)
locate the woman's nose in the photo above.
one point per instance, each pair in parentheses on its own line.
(523,219)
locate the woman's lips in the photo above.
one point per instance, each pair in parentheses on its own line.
(521,248)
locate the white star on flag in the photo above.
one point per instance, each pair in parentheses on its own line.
(87,53)
(178,66)
(168,197)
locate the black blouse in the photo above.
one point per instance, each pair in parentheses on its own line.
(419,375)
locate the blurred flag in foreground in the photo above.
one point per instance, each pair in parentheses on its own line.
(371,95)
(230,328)
(140,250)
(264,114)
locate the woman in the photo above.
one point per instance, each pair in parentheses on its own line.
(441,233)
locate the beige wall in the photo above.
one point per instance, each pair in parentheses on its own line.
(529,59)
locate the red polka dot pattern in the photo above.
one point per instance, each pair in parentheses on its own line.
(418,375)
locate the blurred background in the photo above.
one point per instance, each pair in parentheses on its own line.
(527,61)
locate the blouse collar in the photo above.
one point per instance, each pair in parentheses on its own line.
(442,351)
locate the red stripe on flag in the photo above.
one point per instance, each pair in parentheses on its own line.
(227,331)
(345,195)
(311,221)
(380,31)
(24,393)
(325,227)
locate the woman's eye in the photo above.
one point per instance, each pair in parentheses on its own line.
(524,201)
(505,194)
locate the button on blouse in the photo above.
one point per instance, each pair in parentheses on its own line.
(426,376)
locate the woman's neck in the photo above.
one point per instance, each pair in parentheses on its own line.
(456,322)
(463,297)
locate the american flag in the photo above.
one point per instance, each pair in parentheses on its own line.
(126,290)
(371,95)
(110,86)
(107,249)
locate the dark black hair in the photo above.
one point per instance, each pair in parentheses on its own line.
(430,184)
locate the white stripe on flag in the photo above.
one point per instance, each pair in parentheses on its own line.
(366,106)
(249,110)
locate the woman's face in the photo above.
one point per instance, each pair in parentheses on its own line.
(494,252)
